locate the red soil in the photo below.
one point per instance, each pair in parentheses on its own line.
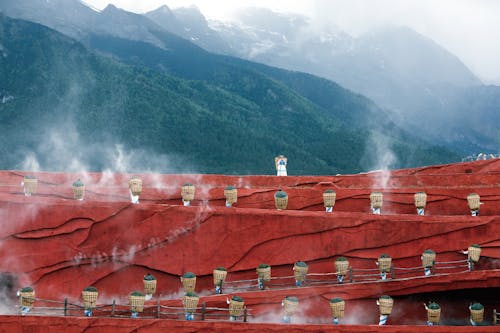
(60,246)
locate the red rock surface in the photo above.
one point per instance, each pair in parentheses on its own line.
(60,246)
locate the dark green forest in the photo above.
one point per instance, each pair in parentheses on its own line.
(216,114)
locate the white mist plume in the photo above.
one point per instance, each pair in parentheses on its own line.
(382,159)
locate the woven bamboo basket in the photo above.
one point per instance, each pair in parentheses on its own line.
(219,276)
(27,298)
(477,315)
(264,273)
(329,197)
(473,200)
(341,267)
(474,253)
(384,264)
(420,199)
(30,185)
(300,272)
(433,315)
(135,185)
(136,303)
(428,258)
(89,299)
(187,192)
(277,159)
(78,190)
(385,305)
(188,283)
(281,200)
(149,286)
(376,199)
(190,303)
(236,307)
(290,306)
(338,307)
(231,194)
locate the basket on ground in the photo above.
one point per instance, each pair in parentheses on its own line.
(236,306)
(27,297)
(190,302)
(264,272)
(89,296)
(300,269)
(385,304)
(281,200)
(337,305)
(78,190)
(290,305)
(376,200)
(136,300)
(30,184)
(341,266)
(420,199)
(220,275)
(149,282)
(329,197)
(231,194)
(135,185)
(188,281)
(473,200)
(384,263)
(477,312)
(474,252)
(428,258)
(187,192)
(433,313)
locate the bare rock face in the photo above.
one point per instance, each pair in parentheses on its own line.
(60,245)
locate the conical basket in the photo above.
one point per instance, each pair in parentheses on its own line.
(27,298)
(30,185)
(300,272)
(149,286)
(473,200)
(428,258)
(474,253)
(136,303)
(236,307)
(281,200)
(188,283)
(264,273)
(338,308)
(477,315)
(420,199)
(385,305)
(219,276)
(190,303)
(290,306)
(78,192)
(231,194)
(329,198)
(433,315)
(135,185)
(384,264)
(187,192)
(89,299)
(341,267)
(376,199)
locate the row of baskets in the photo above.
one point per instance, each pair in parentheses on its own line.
(300,270)
(231,194)
(236,304)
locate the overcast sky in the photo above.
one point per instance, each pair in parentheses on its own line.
(468,28)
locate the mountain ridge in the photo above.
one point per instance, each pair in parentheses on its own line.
(260,112)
